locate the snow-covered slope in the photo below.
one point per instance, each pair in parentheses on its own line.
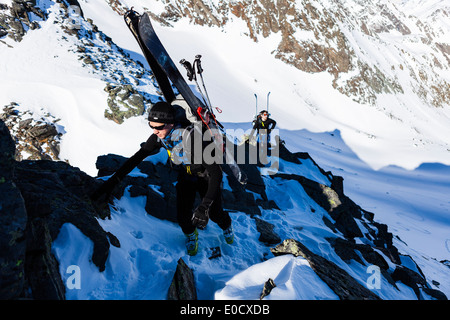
(394,155)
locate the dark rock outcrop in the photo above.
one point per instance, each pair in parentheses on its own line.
(123,102)
(267,289)
(13,221)
(345,286)
(417,281)
(183,283)
(37,198)
(35,139)
(268,236)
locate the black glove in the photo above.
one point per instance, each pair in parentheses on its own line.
(106,188)
(201,214)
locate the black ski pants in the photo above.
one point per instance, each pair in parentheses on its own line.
(187,188)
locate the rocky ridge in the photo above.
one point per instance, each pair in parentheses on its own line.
(38,197)
(35,139)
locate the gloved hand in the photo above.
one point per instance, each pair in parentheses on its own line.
(252,140)
(106,188)
(201,214)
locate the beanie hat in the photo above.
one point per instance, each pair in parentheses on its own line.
(162,112)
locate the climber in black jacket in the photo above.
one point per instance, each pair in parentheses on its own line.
(195,175)
(263,125)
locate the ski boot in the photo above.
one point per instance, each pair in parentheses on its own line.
(192,243)
(229,235)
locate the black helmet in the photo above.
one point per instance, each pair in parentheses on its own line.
(162,112)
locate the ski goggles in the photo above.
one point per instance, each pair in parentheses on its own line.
(157,127)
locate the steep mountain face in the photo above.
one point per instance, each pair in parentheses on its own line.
(341,38)
(128,84)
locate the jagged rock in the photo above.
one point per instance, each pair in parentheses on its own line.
(268,287)
(108,164)
(417,282)
(58,193)
(268,236)
(383,241)
(435,294)
(17,22)
(161,202)
(13,221)
(124,102)
(35,139)
(38,197)
(341,209)
(42,131)
(183,283)
(347,251)
(345,286)
(41,267)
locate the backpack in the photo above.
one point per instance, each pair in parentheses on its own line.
(185,116)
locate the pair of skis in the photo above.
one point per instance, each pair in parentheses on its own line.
(256,96)
(166,73)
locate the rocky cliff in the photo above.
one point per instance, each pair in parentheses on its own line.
(37,198)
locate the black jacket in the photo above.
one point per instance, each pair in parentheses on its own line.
(259,124)
(190,163)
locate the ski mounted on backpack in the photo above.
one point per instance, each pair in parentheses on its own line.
(166,73)
(132,20)
(256,97)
